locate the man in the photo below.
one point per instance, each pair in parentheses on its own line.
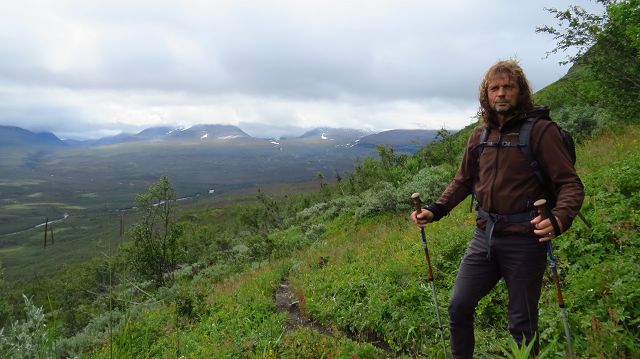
(509,240)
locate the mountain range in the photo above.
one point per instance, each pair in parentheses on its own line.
(401,140)
(198,132)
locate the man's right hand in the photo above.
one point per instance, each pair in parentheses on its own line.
(422,218)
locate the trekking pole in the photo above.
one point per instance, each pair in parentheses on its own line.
(541,205)
(417,203)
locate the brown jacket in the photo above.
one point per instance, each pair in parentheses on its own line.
(504,181)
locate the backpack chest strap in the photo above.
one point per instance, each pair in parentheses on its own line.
(501,144)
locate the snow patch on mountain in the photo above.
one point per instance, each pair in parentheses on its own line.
(228,137)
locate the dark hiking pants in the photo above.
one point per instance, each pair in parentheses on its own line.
(521,262)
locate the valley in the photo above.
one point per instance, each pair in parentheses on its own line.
(90,186)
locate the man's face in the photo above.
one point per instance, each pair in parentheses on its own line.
(503,93)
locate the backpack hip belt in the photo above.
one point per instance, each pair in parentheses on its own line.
(493,218)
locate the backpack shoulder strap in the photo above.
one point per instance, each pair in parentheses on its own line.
(524,139)
(484,136)
(482,143)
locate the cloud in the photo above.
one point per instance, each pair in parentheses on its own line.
(381,64)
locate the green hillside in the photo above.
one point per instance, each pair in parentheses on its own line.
(363,280)
(353,272)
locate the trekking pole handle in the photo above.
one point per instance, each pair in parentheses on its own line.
(541,205)
(544,212)
(417,202)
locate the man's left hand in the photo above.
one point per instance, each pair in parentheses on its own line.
(544,229)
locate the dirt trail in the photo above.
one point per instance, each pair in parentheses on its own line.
(287,302)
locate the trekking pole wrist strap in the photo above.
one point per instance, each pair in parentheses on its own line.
(554,221)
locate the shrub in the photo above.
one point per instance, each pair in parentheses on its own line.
(96,333)
(628,179)
(325,211)
(315,232)
(155,248)
(429,181)
(28,338)
(312,212)
(583,121)
(377,200)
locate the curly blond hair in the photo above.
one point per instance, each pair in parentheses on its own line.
(512,69)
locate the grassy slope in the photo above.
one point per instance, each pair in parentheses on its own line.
(369,277)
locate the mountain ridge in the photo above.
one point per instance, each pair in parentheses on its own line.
(403,140)
(17,136)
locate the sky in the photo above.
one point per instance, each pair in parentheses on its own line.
(87,69)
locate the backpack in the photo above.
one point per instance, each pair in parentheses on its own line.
(524,143)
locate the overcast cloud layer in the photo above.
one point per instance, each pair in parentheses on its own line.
(86,69)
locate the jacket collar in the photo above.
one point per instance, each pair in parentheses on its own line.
(517,117)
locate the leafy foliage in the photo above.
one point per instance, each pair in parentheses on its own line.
(446,149)
(27,338)
(155,247)
(385,197)
(583,122)
(628,180)
(608,46)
